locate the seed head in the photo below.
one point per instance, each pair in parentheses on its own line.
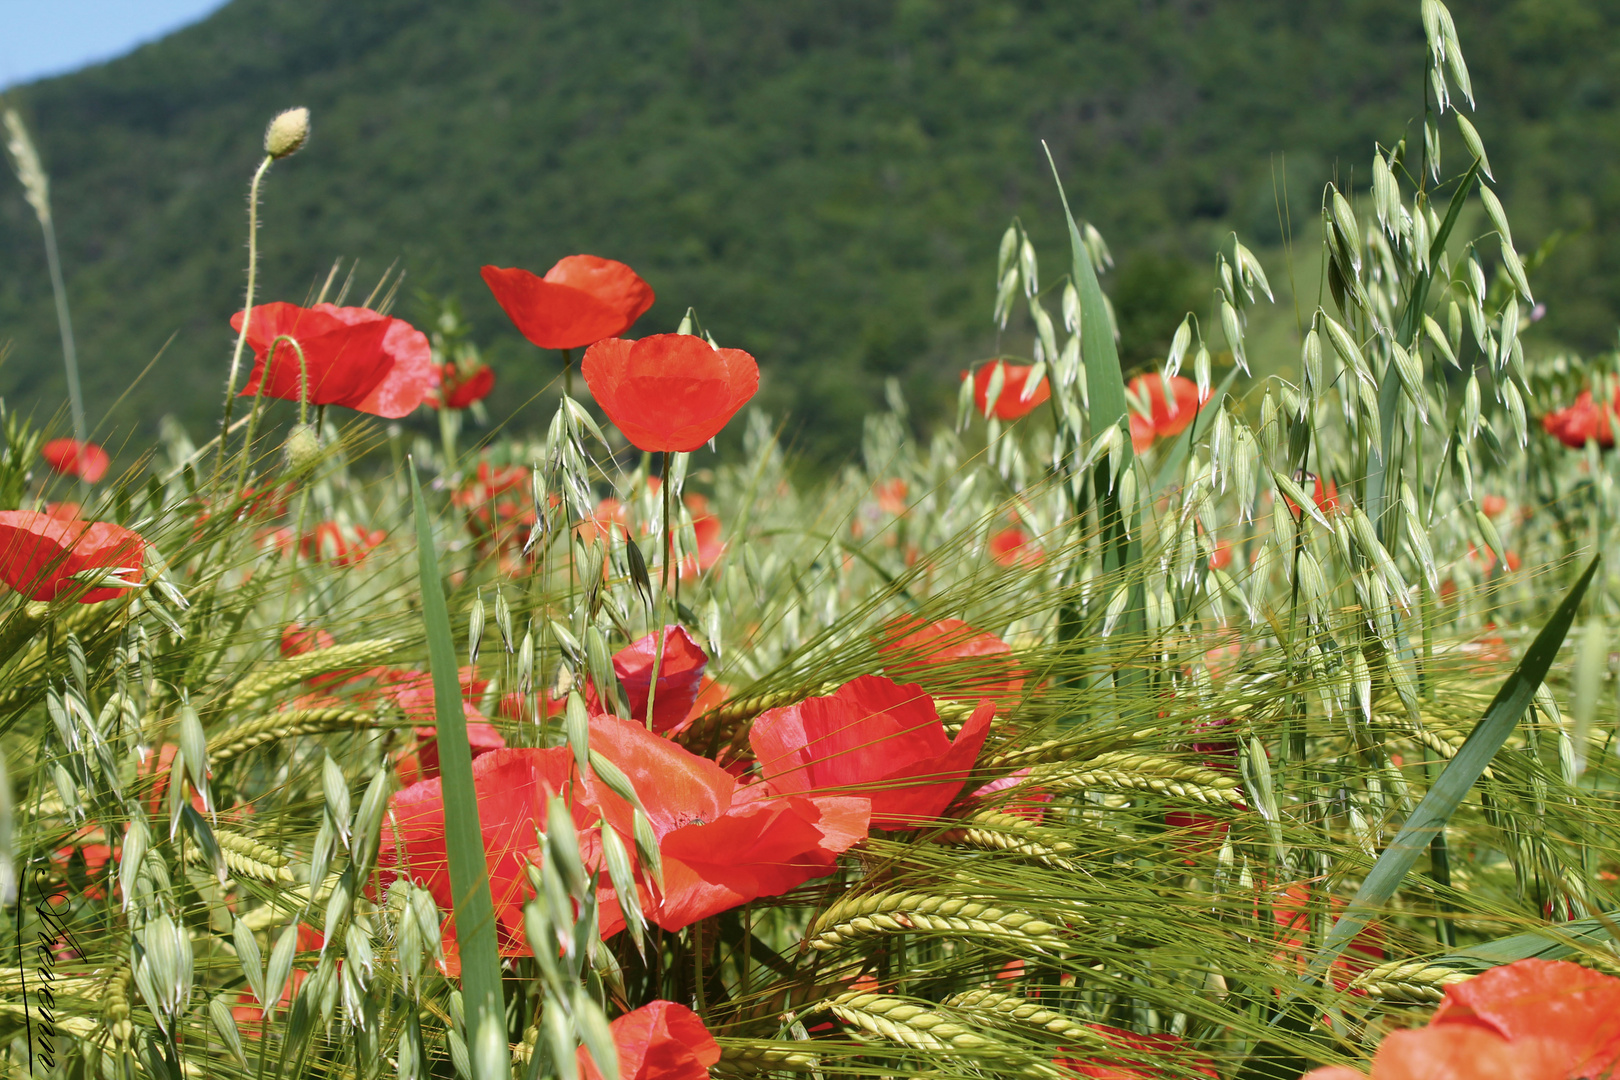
(286,133)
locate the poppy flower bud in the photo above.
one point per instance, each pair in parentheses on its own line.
(302,449)
(286,134)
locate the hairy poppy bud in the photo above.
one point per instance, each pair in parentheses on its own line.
(286,134)
(302,449)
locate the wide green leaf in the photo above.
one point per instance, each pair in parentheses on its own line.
(1459,775)
(463,836)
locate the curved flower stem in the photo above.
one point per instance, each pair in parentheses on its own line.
(247,309)
(568,372)
(663,595)
(258,401)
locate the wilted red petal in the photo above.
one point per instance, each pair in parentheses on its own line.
(580,301)
(874,738)
(670,391)
(70,457)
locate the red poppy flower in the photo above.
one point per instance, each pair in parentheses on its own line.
(340,545)
(1582,422)
(706,529)
(1012,547)
(1325,494)
(949,653)
(872,737)
(63,511)
(580,301)
(298,639)
(660,1041)
(1573,1007)
(512,787)
(355,357)
(669,391)
(1136,1057)
(459,389)
(1192,830)
(1142,433)
(680,677)
(1011,404)
(722,844)
(70,457)
(891,496)
(1169,418)
(1493,505)
(1529,1020)
(1292,910)
(39,554)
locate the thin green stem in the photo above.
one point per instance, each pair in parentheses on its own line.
(247,308)
(258,402)
(568,372)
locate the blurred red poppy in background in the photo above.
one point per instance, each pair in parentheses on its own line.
(1010,403)
(70,457)
(967,662)
(706,530)
(297,639)
(1583,421)
(459,389)
(659,1041)
(580,301)
(340,545)
(680,678)
(1139,1057)
(39,554)
(670,391)
(1168,418)
(1012,547)
(355,357)
(722,844)
(876,738)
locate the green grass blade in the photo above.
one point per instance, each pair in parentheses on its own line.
(1542,943)
(1104,381)
(464,838)
(1121,543)
(1460,774)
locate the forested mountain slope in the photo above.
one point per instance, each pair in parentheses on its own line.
(826,180)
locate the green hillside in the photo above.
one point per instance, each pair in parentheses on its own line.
(825,179)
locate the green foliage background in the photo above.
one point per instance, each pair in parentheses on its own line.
(824,179)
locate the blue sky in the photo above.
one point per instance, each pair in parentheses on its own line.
(49,37)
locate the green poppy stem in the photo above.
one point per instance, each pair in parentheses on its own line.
(568,372)
(258,402)
(247,311)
